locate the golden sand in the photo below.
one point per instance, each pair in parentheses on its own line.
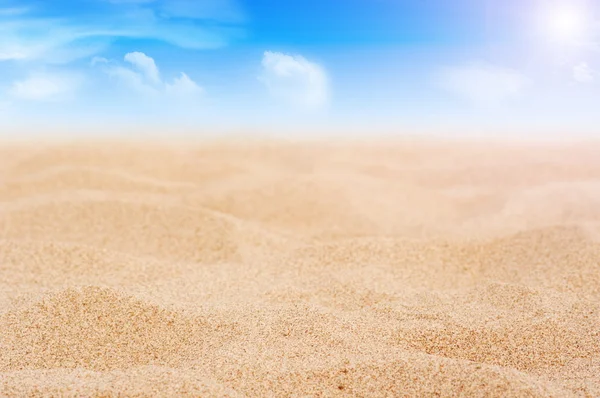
(305,269)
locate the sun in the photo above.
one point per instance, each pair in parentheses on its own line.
(565,23)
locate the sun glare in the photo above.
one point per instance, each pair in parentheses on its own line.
(565,23)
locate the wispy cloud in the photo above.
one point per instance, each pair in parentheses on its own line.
(582,73)
(144,77)
(46,87)
(13,11)
(483,84)
(60,33)
(221,10)
(294,79)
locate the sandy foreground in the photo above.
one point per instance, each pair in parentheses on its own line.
(306,269)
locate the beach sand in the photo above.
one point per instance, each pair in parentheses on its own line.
(300,269)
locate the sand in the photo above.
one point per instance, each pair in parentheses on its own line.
(300,269)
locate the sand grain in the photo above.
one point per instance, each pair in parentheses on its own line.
(308,269)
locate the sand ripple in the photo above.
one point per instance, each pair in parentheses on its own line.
(99,329)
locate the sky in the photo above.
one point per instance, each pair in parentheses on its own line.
(481,67)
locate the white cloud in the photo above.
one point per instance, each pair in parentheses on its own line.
(146,78)
(582,73)
(131,80)
(482,83)
(183,86)
(144,64)
(45,87)
(294,79)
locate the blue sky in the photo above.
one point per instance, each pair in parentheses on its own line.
(416,66)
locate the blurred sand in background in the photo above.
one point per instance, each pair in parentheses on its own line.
(300,269)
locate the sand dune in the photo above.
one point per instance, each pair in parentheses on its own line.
(306,269)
